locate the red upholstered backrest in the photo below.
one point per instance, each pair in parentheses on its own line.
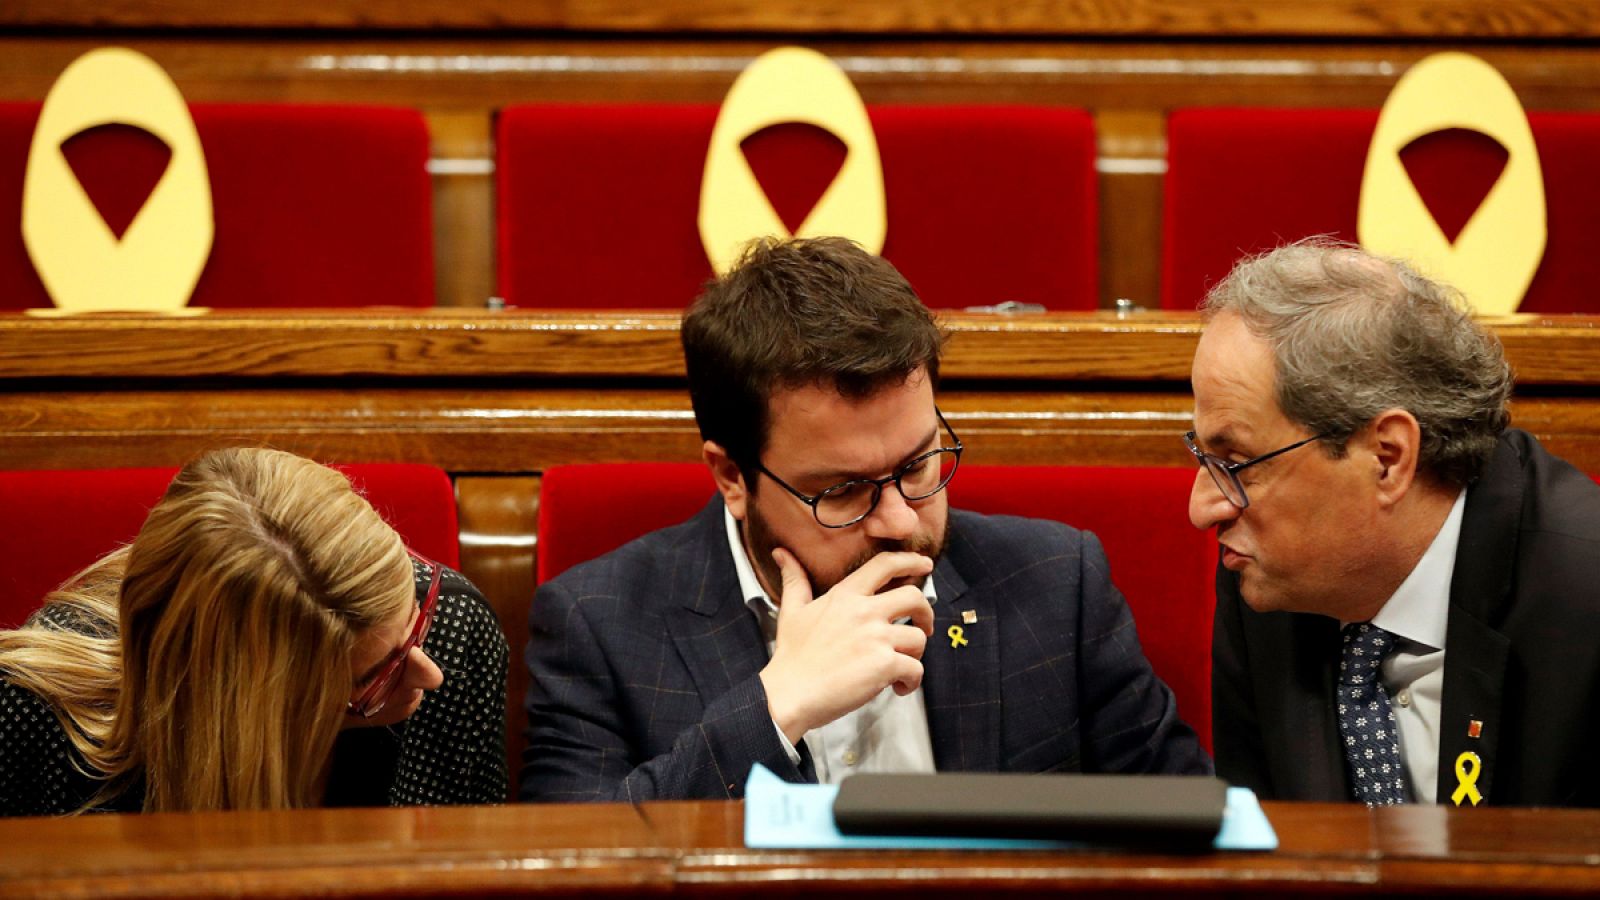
(315,206)
(589,510)
(57,522)
(598,204)
(1164,567)
(1244,180)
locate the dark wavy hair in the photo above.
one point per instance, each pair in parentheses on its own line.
(797,313)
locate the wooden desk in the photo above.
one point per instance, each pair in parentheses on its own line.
(1324,848)
(517,391)
(696,849)
(463,851)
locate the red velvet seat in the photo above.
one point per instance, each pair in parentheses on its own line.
(57,522)
(315,206)
(1164,567)
(598,204)
(1240,181)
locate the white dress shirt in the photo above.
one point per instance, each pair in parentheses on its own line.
(1418,614)
(888,734)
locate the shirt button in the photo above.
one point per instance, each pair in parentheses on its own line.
(1403,698)
(850,757)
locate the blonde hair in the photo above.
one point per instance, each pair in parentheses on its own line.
(211,658)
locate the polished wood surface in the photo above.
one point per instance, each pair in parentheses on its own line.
(515,344)
(1483,19)
(470,851)
(513,393)
(697,849)
(499,518)
(1324,848)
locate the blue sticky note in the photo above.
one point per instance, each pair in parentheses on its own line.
(783,816)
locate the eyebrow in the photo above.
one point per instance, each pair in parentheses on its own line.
(839,476)
(1221,440)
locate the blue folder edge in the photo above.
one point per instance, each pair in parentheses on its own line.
(783,816)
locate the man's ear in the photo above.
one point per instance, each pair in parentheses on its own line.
(730,481)
(1395,441)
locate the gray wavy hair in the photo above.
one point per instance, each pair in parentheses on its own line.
(1353,334)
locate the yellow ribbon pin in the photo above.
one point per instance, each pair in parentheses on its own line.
(1467,768)
(956,640)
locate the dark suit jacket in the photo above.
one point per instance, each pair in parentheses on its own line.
(644,668)
(1522,654)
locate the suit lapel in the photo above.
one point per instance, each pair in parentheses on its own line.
(1476,653)
(1474,679)
(1309,717)
(716,635)
(961,676)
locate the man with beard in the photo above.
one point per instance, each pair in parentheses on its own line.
(827,613)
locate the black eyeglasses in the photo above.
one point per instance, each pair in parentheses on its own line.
(849,502)
(1226,474)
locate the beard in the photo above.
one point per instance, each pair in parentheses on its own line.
(762,542)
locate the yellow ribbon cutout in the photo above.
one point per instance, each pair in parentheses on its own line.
(1495,256)
(790,84)
(956,640)
(1467,768)
(83,265)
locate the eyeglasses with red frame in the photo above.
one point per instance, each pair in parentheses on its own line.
(377,694)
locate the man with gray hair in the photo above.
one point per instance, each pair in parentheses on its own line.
(1408,595)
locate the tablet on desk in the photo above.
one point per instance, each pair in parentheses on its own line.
(1176,811)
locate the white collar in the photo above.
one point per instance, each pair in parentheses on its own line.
(1419,609)
(755,596)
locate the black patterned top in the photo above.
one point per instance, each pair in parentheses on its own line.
(451,751)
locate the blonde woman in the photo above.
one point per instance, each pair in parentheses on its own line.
(265,642)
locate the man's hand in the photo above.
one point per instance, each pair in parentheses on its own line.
(838,651)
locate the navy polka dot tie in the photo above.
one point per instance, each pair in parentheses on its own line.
(1366,721)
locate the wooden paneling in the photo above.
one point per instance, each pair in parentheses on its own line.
(499,537)
(515,393)
(517,344)
(1132,167)
(463,207)
(527,430)
(1485,19)
(455,72)
(460,429)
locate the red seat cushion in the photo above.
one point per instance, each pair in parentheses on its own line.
(58,522)
(315,206)
(598,204)
(1164,567)
(1241,181)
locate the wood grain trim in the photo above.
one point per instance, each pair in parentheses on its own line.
(453,343)
(522,431)
(1500,20)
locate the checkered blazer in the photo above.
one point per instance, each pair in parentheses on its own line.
(644,668)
